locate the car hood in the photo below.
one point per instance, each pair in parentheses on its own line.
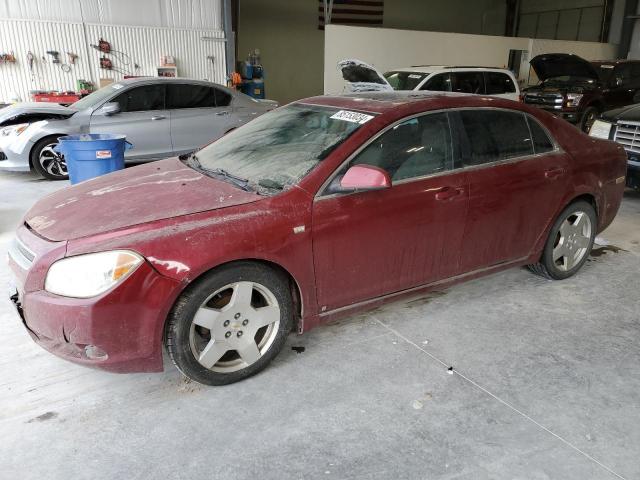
(7,113)
(630,113)
(362,77)
(552,65)
(149,192)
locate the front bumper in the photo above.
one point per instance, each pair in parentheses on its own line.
(14,157)
(118,331)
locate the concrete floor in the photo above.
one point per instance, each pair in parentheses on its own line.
(546,385)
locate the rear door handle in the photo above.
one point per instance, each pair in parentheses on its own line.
(223,113)
(553,173)
(158,117)
(446,193)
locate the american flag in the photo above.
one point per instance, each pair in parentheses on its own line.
(350,12)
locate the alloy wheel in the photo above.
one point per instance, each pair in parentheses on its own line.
(572,241)
(52,162)
(234,327)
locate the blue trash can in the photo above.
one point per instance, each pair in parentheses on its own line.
(92,154)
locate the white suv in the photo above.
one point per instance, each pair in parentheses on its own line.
(498,82)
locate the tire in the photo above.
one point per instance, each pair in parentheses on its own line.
(248,334)
(588,117)
(46,162)
(569,244)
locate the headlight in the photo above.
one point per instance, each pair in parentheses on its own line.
(573,99)
(85,276)
(600,129)
(15,129)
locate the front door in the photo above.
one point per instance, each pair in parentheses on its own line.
(142,118)
(517,178)
(374,243)
(199,114)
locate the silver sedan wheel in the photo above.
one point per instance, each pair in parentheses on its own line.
(234,327)
(52,162)
(572,241)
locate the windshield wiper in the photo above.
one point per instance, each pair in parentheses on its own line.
(240,182)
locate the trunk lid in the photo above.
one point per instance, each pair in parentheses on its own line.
(552,65)
(142,194)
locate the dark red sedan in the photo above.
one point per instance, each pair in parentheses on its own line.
(321,208)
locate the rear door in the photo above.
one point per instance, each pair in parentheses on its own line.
(517,177)
(199,114)
(499,84)
(142,118)
(624,85)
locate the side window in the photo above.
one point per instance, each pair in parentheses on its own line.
(420,146)
(495,135)
(498,83)
(467,82)
(139,99)
(223,99)
(541,141)
(190,96)
(438,83)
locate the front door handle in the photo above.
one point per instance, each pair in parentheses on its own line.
(158,117)
(446,193)
(225,112)
(553,173)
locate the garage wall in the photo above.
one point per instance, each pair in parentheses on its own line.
(190,30)
(388,48)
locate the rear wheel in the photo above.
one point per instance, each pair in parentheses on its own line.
(589,116)
(47,162)
(230,324)
(569,243)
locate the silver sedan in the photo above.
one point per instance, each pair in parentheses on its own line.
(161,117)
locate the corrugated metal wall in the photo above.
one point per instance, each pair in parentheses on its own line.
(189,30)
(206,14)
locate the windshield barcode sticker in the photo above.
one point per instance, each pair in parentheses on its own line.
(413,75)
(348,116)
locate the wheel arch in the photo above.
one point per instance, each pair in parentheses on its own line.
(38,140)
(294,285)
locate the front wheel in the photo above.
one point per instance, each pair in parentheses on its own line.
(569,244)
(47,162)
(230,324)
(588,118)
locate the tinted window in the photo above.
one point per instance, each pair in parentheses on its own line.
(495,135)
(404,80)
(541,141)
(438,83)
(467,82)
(417,147)
(623,72)
(138,99)
(190,96)
(498,83)
(223,99)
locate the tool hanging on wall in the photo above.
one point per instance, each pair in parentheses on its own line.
(103,46)
(55,55)
(106,63)
(72,58)
(7,58)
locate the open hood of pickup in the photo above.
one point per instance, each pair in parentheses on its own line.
(552,65)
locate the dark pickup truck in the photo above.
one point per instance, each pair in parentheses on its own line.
(578,90)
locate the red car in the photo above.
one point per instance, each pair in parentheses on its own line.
(318,209)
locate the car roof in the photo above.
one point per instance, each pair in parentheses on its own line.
(387,101)
(436,68)
(136,80)
(613,62)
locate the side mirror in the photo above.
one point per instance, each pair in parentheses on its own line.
(110,108)
(365,177)
(618,82)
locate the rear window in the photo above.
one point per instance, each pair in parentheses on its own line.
(541,141)
(467,82)
(404,80)
(498,83)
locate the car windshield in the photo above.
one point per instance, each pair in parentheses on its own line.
(404,80)
(96,98)
(277,149)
